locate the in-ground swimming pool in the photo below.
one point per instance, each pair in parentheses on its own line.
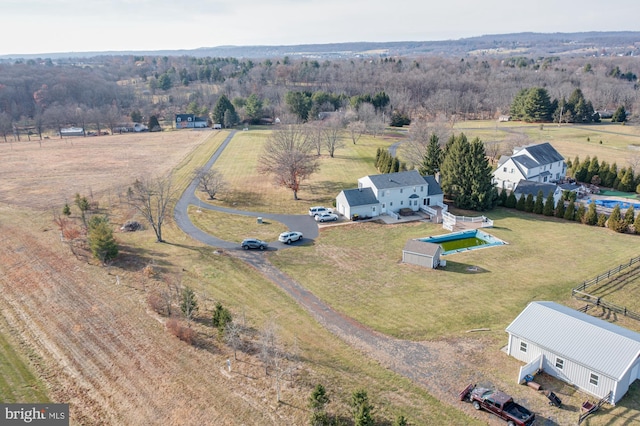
(610,204)
(457,242)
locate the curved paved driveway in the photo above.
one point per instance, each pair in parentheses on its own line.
(302,223)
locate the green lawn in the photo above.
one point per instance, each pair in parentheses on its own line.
(608,141)
(252,191)
(17,381)
(357,269)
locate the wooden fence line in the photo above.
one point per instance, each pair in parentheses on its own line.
(580,294)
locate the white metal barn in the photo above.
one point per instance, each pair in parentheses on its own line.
(592,354)
(422,253)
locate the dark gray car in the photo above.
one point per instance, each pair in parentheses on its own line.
(254,243)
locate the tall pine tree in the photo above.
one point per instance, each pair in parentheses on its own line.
(466,175)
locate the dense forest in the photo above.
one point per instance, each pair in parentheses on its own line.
(40,96)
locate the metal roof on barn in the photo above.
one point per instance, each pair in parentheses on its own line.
(594,343)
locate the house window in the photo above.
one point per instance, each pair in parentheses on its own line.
(504,169)
(391,204)
(402,203)
(593,379)
(559,363)
(401,189)
(545,179)
(384,206)
(523,346)
(511,170)
(373,208)
(422,189)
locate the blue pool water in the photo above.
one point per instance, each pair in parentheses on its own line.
(610,204)
(457,242)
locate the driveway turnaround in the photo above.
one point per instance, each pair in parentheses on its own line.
(302,223)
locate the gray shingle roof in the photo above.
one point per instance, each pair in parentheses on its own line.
(596,344)
(434,187)
(397,180)
(527,162)
(422,247)
(356,197)
(527,187)
(544,153)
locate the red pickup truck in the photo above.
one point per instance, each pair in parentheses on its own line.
(498,403)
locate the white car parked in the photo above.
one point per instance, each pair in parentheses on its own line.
(314,211)
(289,237)
(326,217)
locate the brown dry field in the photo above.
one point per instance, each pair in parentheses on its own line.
(46,175)
(96,344)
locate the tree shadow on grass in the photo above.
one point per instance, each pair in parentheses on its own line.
(323,187)
(135,259)
(241,199)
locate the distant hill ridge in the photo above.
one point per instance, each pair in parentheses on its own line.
(625,43)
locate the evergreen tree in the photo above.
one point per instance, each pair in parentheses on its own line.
(362,409)
(593,170)
(466,175)
(220,110)
(317,401)
(580,212)
(560,209)
(591,217)
(538,206)
(253,108)
(615,222)
(188,304)
(570,212)
(627,180)
(549,205)
(66,210)
(629,216)
(432,158)
(511,201)
(581,171)
(154,124)
(620,115)
(521,202)
(221,317)
(528,204)
(100,238)
(502,200)
(602,220)
(636,225)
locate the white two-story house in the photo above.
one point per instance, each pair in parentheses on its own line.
(380,194)
(537,163)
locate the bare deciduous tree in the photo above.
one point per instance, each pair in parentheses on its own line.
(356,129)
(332,130)
(210,181)
(233,336)
(287,157)
(275,356)
(151,197)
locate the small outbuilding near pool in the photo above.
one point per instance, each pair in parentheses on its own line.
(420,253)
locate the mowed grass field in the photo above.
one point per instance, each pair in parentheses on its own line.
(612,142)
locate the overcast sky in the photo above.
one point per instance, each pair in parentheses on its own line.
(46,26)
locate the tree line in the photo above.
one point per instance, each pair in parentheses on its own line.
(43,95)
